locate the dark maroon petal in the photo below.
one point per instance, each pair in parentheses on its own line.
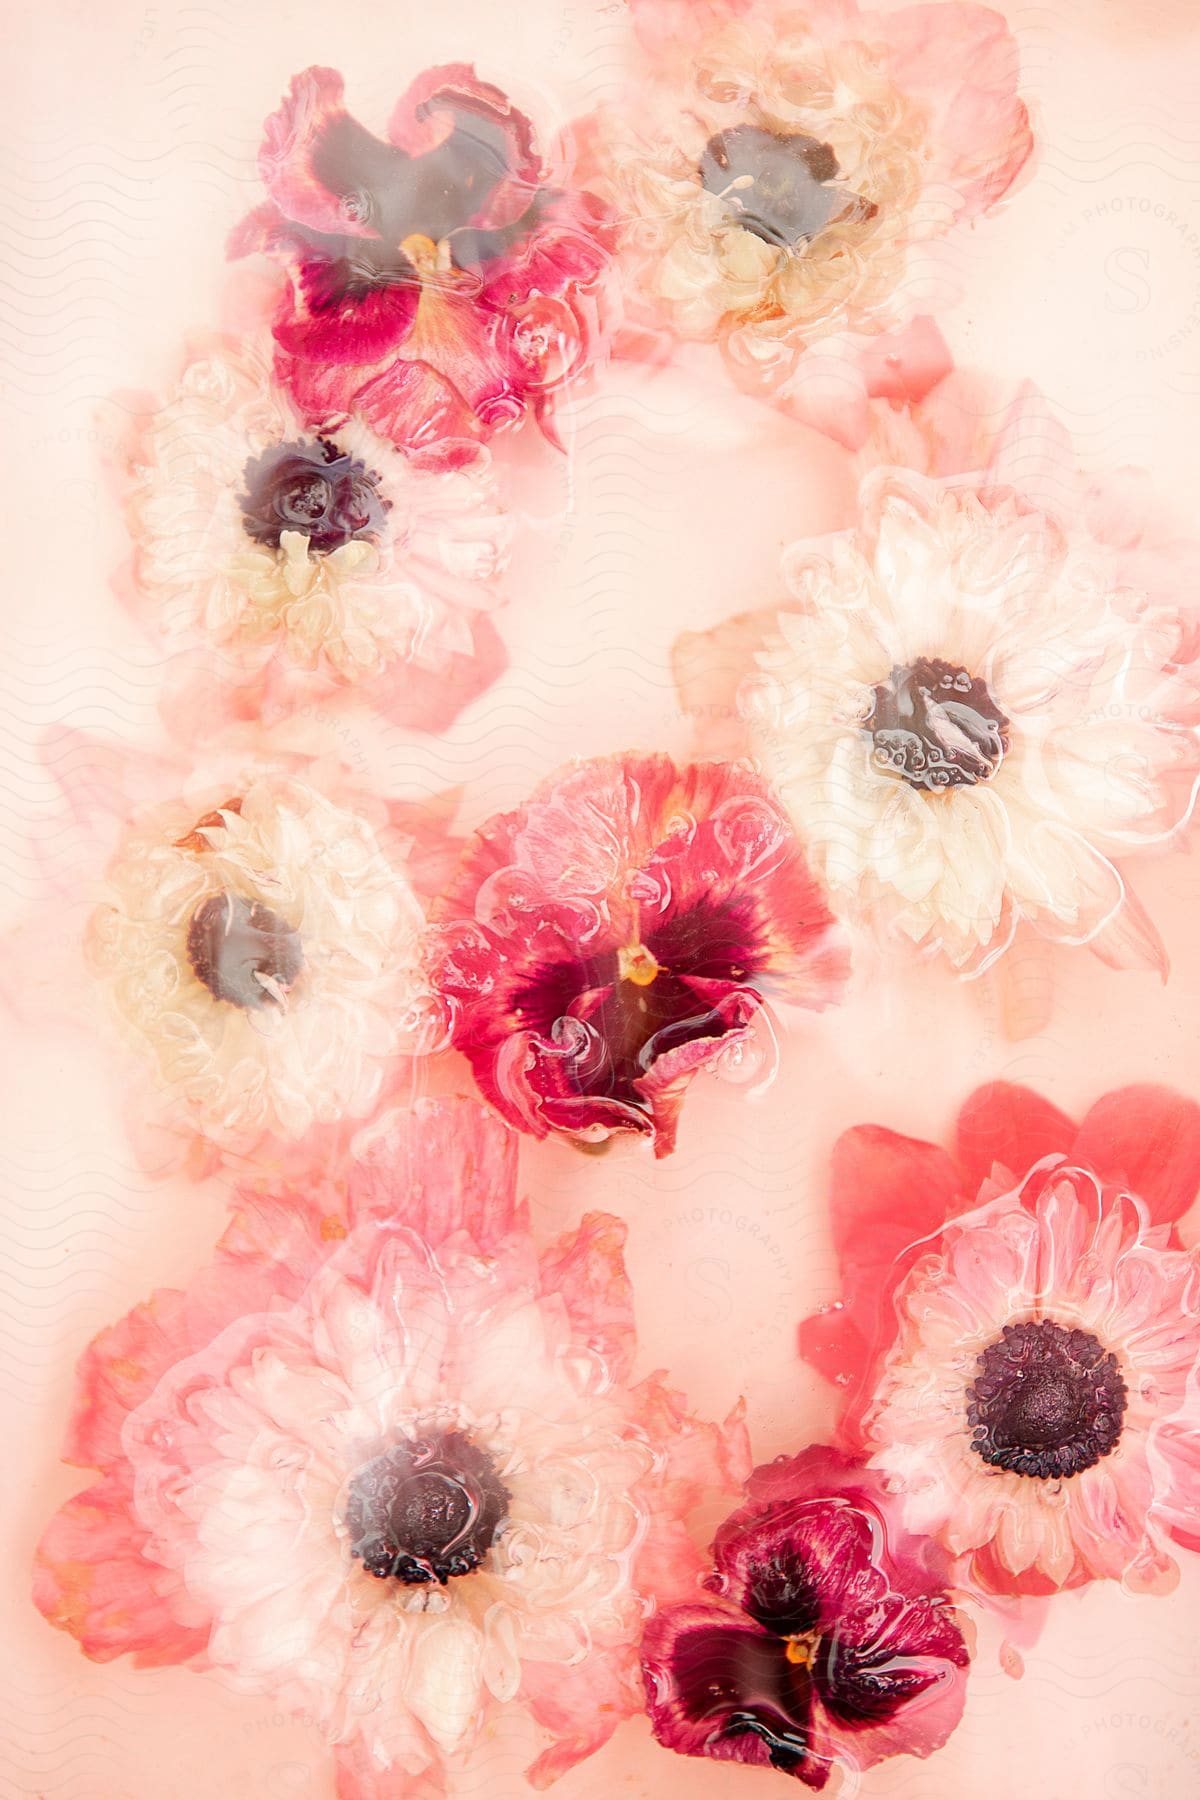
(715,1688)
(916,1566)
(884,1657)
(801,1567)
(1148,1138)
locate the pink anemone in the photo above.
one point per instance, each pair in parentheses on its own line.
(384,1462)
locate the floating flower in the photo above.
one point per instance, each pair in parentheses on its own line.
(438,283)
(776,166)
(266,951)
(382,1462)
(972,716)
(618,933)
(1019,1343)
(831,1641)
(328,552)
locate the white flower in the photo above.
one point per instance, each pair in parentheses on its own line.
(349,556)
(968,717)
(267,953)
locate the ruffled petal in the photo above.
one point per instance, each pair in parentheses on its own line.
(724,1690)
(585,1269)
(92,1578)
(963,63)
(440,1168)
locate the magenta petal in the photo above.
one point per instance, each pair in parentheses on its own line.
(1149,1138)
(719,1689)
(885,1657)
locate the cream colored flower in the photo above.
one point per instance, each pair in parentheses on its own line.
(969,717)
(266,954)
(261,534)
(775,170)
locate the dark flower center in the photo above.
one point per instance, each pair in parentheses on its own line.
(629,1007)
(425,1510)
(1046,1401)
(936,726)
(242,951)
(409,204)
(311,487)
(778,183)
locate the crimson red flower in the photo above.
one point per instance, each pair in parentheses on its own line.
(832,1641)
(438,282)
(1019,1339)
(619,932)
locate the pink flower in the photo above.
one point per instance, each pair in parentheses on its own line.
(1019,1339)
(438,283)
(382,1462)
(831,1641)
(777,168)
(618,933)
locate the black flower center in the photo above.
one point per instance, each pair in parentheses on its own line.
(311,487)
(936,726)
(1046,1401)
(242,951)
(425,1510)
(778,183)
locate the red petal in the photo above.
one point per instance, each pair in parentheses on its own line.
(92,1578)
(1149,1138)
(1011,1125)
(889,1194)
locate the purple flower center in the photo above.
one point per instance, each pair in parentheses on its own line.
(936,727)
(1046,1401)
(242,951)
(621,1011)
(310,487)
(425,1510)
(777,184)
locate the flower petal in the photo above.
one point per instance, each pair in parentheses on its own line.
(1148,1137)
(716,1688)
(1011,1126)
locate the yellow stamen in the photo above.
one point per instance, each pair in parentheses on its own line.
(637,964)
(802,1651)
(422,252)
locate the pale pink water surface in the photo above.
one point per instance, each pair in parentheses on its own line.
(131,134)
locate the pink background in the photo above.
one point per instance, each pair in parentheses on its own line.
(132,136)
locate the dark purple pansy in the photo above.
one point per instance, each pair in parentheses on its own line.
(829,1639)
(438,281)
